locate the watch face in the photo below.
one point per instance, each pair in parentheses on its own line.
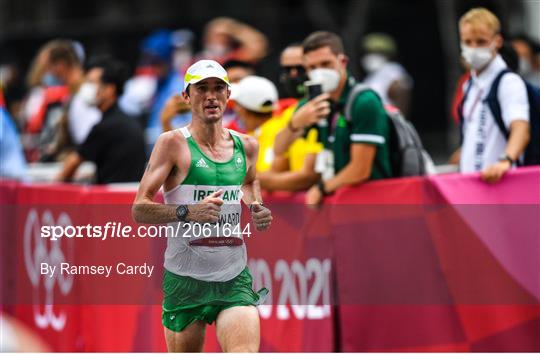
(181,212)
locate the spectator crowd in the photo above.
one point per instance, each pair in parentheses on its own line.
(327,130)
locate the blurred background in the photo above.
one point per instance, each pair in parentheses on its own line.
(425,32)
(159,38)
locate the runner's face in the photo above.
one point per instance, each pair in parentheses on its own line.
(208,99)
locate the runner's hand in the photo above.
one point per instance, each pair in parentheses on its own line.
(207,210)
(261,216)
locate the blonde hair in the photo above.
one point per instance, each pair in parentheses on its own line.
(51,52)
(480,15)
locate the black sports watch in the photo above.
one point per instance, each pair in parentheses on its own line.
(320,185)
(505,157)
(182,212)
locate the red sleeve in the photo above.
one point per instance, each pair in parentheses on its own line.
(458,96)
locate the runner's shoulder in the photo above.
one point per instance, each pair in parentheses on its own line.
(171,140)
(251,144)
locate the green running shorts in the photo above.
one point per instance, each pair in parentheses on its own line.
(186,300)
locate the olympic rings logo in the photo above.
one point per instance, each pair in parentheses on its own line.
(39,250)
(304,288)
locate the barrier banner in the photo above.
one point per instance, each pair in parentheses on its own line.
(488,241)
(431,274)
(8,213)
(391,293)
(444,263)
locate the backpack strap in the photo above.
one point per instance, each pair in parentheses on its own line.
(460,108)
(355,92)
(492,101)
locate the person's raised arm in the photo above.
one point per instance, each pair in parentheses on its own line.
(175,105)
(253,43)
(306,115)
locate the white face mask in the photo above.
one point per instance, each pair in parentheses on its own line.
(328,78)
(87,92)
(478,57)
(373,62)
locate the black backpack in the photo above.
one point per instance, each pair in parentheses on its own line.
(532,151)
(407,154)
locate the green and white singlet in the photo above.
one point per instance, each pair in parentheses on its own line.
(206,176)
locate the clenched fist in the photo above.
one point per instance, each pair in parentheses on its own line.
(207,210)
(261,216)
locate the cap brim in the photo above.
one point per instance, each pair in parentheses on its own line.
(195,80)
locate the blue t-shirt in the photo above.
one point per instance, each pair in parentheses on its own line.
(12,161)
(174,84)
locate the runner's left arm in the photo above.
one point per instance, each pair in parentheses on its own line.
(250,188)
(262,216)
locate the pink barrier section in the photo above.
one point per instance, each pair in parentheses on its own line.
(418,264)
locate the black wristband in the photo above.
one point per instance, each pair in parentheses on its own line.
(505,157)
(320,185)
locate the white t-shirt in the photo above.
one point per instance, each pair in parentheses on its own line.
(483,142)
(81,118)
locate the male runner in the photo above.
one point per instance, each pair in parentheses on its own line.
(205,170)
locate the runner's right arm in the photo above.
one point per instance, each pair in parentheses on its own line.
(160,167)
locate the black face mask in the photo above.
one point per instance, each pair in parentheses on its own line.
(293,86)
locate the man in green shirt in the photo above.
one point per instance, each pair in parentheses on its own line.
(356,147)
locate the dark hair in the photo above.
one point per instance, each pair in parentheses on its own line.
(116,73)
(321,39)
(233,63)
(62,50)
(510,56)
(97,61)
(534,45)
